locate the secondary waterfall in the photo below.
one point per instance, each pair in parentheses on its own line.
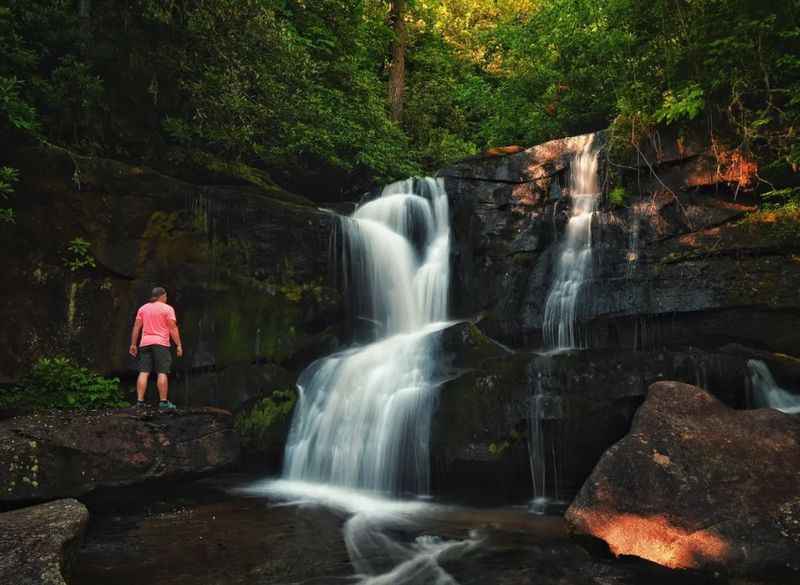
(767,393)
(363,415)
(574,263)
(573,268)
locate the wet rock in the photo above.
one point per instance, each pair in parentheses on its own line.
(577,403)
(696,484)
(537,162)
(38,543)
(479,427)
(674,266)
(45,456)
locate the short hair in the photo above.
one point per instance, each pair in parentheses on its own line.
(157,292)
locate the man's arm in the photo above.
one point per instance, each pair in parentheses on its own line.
(176,336)
(137,330)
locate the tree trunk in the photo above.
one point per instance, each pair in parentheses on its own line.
(397,68)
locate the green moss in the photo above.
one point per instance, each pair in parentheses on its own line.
(618,196)
(524,259)
(266,422)
(170,241)
(498,449)
(780,224)
(248,174)
(676,257)
(477,338)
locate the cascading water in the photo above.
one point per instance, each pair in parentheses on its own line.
(573,268)
(363,416)
(574,263)
(767,393)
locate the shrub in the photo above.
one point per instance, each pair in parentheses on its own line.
(60,383)
(267,420)
(617,196)
(79,255)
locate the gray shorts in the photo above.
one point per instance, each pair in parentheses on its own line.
(155,358)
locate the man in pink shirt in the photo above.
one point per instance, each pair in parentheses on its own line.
(156,323)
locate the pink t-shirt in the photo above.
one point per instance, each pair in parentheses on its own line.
(155,323)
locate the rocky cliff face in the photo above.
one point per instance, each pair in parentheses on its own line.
(246,268)
(674,265)
(685,284)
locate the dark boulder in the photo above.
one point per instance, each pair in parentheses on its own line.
(38,543)
(45,456)
(696,484)
(480,424)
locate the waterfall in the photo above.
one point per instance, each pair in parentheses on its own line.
(767,393)
(363,415)
(544,434)
(573,266)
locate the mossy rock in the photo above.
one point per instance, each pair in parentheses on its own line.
(264,425)
(239,172)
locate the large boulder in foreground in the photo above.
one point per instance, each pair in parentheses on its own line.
(46,456)
(696,484)
(37,542)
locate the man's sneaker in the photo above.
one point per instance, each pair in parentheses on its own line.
(141,405)
(166,405)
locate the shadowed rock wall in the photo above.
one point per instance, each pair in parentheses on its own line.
(246,270)
(682,287)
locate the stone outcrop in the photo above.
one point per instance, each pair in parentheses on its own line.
(46,456)
(246,268)
(37,543)
(480,425)
(686,284)
(583,401)
(675,265)
(696,484)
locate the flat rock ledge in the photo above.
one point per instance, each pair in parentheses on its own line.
(68,454)
(698,485)
(36,543)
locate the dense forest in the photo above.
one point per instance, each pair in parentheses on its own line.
(329,97)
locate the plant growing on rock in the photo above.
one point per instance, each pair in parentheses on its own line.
(266,420)
(79,255)
(8,177)
(59,382)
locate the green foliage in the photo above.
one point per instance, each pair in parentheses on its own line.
(261,425)
(618,196)
(17,112)
(8,177)
(60,383)
(79,255)
(297,89)
(778,222)
(787,198)
(685,104)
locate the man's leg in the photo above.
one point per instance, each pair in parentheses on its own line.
(141,385)
(163,386)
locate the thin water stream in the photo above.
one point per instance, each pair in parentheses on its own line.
(767,393)
(573,268)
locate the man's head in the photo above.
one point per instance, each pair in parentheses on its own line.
(159,294)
